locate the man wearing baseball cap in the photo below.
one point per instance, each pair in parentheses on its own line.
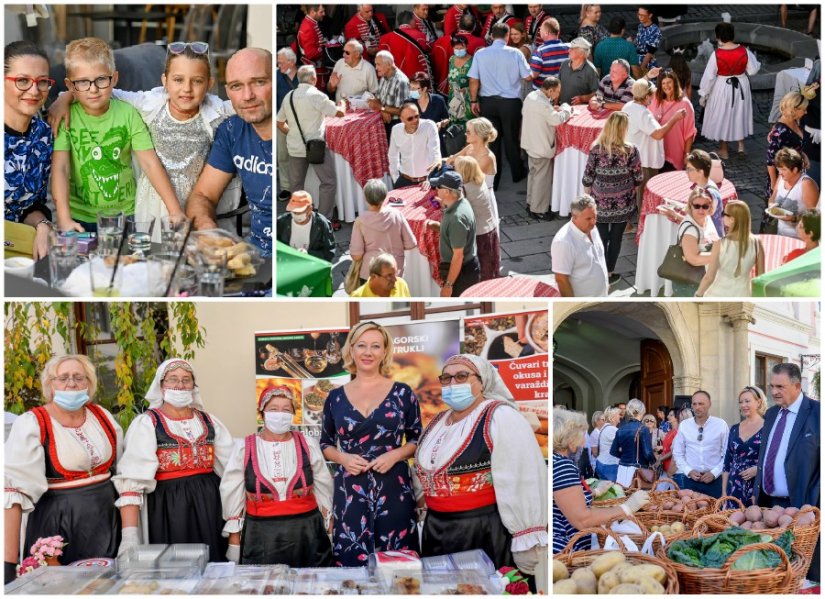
(459,268)
(304,229)
(579,78)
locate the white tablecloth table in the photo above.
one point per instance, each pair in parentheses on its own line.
(786,81)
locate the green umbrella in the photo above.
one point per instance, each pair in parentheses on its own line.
(302,275)
(800,277)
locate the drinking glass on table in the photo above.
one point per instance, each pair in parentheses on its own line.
(139,236)
(62,256)
(210,267)
(160,268)
(173,231)
(101,271)
(109,231)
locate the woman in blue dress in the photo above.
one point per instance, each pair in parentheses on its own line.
(744,440)
(370,429)
(28,141)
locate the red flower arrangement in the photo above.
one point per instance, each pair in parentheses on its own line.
(515,582)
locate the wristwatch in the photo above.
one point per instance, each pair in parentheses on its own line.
(46,222)
(448,285)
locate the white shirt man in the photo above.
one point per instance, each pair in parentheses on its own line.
(539,119)
(577,253)
(352,75)
(699,448)
(414,148)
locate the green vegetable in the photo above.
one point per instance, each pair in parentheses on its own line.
(713,551)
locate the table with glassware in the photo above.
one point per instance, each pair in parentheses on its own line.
(656,232)
(358,143)
(573,142)
(421,262)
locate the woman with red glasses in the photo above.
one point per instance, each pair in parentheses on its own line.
(696,233)
(482,473)
(28,141)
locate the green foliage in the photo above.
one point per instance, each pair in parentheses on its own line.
(140,335)
(714,550)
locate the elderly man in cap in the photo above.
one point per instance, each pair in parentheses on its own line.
(352,74)
(459,268)
(579,78)
(304,229)
(384,280)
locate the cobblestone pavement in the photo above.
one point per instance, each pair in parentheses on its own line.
(525,243)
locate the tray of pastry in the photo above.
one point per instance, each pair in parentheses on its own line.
(56,580)
(157,582)
(216,245)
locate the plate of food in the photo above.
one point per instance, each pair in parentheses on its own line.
(538,331)
(315,393)
(776,212)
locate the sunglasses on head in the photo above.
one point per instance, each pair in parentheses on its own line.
(180,47)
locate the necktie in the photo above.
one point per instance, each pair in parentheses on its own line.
(770,459)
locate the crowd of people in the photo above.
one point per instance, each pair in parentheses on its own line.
(507,84)
(769,457)
(83,153)
(474,477)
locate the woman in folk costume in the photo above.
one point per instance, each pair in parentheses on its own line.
(175,455)
(481,470)
(725,92)
(277,492)
(60,458)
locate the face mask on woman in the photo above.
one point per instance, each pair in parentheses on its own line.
(458,397)
(71,400)
(460,53)
(415,94)
(178,398)
(278,422)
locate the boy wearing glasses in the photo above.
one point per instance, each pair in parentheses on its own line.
(92,162)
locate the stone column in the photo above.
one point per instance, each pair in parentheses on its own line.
(739,322)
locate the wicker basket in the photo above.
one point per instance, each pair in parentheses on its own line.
(639,538)
(689,516)
(725,581)
(616,501)
(805,537)
(581,559)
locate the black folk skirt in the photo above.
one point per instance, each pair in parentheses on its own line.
(86,518)
(188,510)
(299,541)
(480,528)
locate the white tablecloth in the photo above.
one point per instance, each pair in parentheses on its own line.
(349,196)
(786,81)
(658,235)
(568,170)
(418,276)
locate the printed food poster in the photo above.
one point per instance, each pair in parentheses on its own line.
(308,362)
(517,344)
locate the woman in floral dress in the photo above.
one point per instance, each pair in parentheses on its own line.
(612,174)
(370,429)
(458,80)
(744,440)
(786,133)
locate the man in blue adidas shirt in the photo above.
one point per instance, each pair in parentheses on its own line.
(243,147)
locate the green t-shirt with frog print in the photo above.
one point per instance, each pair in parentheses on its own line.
(101,174)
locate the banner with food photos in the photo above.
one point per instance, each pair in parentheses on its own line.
(517,344)
(309,362)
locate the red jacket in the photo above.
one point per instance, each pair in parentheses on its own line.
(310,43)
(443,50)
(357,28)
(533,32)
(453,16)
(407,56)
(488,24)
(426,28)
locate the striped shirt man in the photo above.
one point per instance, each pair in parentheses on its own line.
(547,59)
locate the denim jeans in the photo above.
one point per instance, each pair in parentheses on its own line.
(606,471)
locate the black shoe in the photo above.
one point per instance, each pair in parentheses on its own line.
(284,195)
(536,215)
(614,278)
(336,225)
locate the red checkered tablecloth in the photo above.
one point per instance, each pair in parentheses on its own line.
(675,186)
(417,209)
(360,138)
(580,131)
(777,247)
(513,286)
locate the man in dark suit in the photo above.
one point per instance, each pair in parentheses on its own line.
(788,467)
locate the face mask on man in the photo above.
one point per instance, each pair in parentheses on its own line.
(458,397)
(299,216)
(71,401)
(278,422)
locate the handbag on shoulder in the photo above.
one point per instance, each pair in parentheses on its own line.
(676,268)
(316,148)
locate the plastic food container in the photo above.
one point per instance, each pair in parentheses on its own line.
(467,582)
(55,580)
(157,582)
(475,559)
(140,557)
(185,555)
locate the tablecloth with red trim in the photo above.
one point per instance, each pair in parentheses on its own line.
(513,286)
(580,131)
(418,207)
(360,138)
